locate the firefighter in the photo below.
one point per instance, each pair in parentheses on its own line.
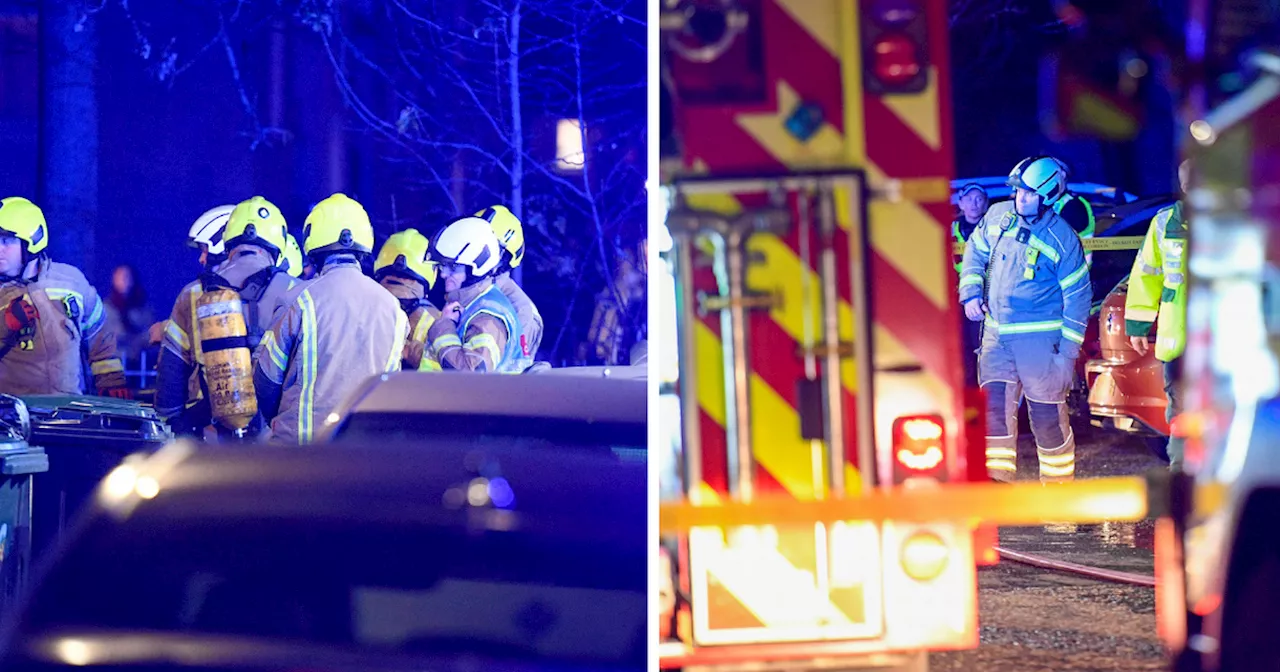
(335,331)
(206,235)
(1025,277)
(404,268)
(1158,288)
(478,327)
(53,318)
(291,260)
(255,236)
(973,203)
(506,226)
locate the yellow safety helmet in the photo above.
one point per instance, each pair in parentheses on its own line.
(406,253)
(337,224)
(25,221)
(291,260)
(256,221)
(506,226)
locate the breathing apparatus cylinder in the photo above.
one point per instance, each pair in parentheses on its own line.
(228,362)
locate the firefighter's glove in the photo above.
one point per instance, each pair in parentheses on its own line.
(117,393)
(975,309)
(20,316)
(452,311)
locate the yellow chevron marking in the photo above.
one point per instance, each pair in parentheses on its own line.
(920,111)
(825,148)
(910,239)
(783,274)
(704,494)
(855,147)
(815,17)
(710,360)
(777,445)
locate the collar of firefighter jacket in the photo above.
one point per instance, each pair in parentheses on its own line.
(31,271)
(466,295)
(340,261)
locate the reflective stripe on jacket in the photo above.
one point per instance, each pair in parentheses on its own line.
(1158,285)
(1032,274)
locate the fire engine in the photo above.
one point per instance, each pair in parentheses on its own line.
(807,181)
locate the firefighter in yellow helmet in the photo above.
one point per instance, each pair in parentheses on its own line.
(255,237)
(506,226)
(403,266)
(336,331)
(52,317)
(291,260)
(478,329)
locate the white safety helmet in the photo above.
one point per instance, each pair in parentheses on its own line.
(208,228)
(468,241)
(1043,175)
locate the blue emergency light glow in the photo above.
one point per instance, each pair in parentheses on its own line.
(894,13)
(804,122)
(500,493)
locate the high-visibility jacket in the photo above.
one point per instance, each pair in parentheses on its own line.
(961,229)
(484,338)
(1032,275)
(1079,214)
(1158,285)
(71,328)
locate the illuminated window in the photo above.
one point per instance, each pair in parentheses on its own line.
(569,152)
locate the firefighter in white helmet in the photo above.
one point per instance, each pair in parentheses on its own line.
(206,236)
(53,319)
(335,331)
(255,238)
(478,329)
(506,226)
(405,269)
(1025,277)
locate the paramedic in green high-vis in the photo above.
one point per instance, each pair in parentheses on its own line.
(1158,288)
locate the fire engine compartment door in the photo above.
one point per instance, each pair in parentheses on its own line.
(770,584)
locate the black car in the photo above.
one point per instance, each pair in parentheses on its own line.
(444,553)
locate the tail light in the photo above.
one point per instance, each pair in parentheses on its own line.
(919,448)
(896,40)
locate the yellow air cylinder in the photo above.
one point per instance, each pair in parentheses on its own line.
(228,362)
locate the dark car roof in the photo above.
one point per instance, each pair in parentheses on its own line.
(1131,219)
(420,483)
(587,398)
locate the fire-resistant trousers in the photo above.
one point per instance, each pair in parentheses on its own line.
(1029,365)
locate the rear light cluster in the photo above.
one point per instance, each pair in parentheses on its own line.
(919,448)
(896,47)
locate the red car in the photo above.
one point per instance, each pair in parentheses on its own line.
(1124,391)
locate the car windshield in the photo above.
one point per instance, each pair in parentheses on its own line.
(625,440)
(389,589)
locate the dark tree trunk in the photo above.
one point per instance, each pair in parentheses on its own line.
(68,160)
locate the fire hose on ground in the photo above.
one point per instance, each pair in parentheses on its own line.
(1074,568)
